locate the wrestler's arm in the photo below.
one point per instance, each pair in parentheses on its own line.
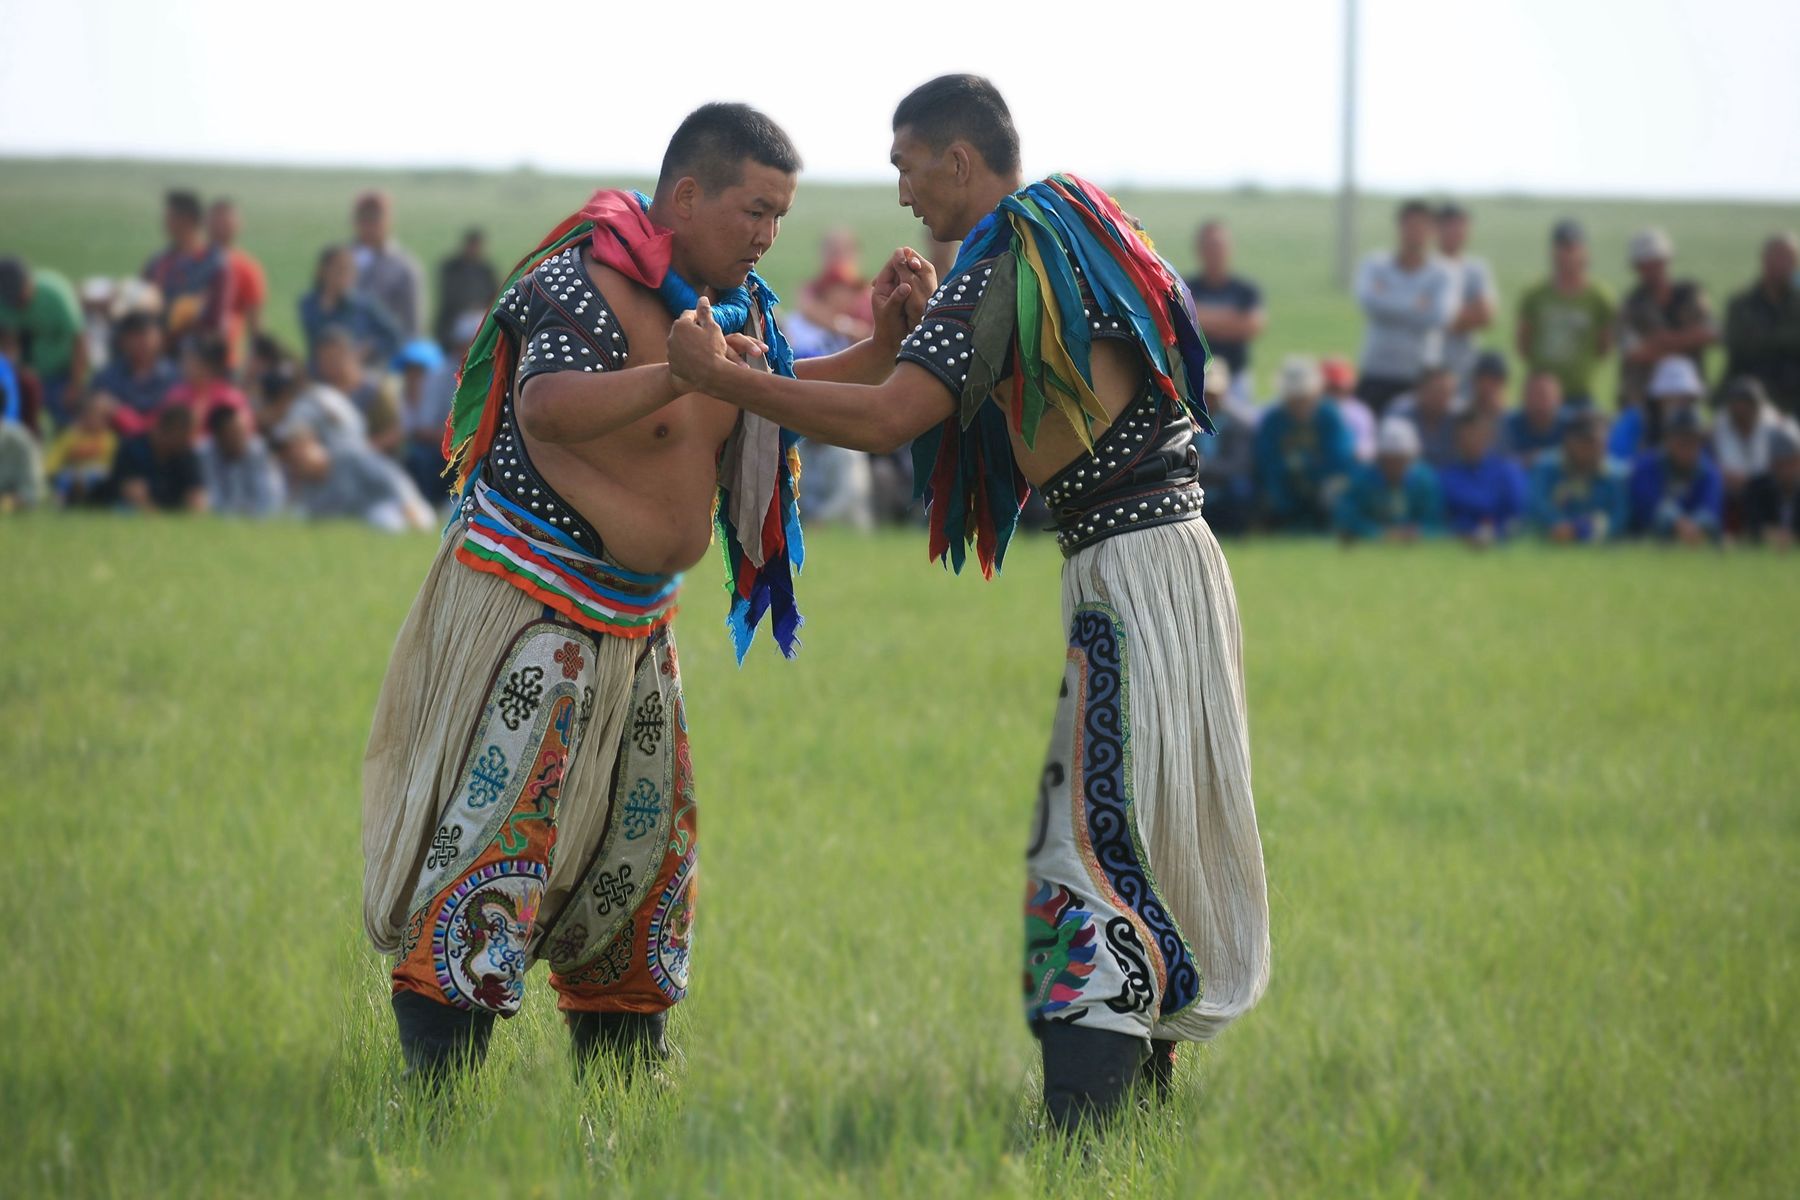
(579,406)
(900,294)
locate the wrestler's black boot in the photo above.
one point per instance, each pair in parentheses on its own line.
(1088,1073)
(1159,1070)
(634,1038)
(436,1038)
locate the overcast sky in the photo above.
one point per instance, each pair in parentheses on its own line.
(1664,97)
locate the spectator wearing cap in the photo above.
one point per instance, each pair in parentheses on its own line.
(1487,384)
(347,481)
(334,303)
(1228,306)
(1747,428)
(1477,298)
(1432,409)
(1662,317)
(1677,495)
(247,285)
(426,388)
(1675,386)
(139,377)
(206,381)
(1537,424)
(1772,499)
(1577,492)
(1565,323)
(41,306)
(467,282)
(159,471)
(1228,458)
(1340,393)
(79,459)
(1408,299)
(1486,494)
(189,273)
(386,275)
(242,478)
(1762,326)
(1396,497)
(1302,452)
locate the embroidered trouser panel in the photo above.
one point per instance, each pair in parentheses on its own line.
(1146,907)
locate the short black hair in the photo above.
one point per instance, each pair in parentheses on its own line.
(1589,425)
(1450,210)
(182,203)
(1413,208)
(137,321)
(965,107)
(219,416)
(713,141)
(212,350)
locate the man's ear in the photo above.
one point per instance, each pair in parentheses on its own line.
(962,165)
(684,196)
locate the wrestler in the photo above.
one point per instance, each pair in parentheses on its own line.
(1061,353)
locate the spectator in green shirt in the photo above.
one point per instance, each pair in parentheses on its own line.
(42,307)
(1566,322)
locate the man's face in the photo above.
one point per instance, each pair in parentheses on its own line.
(1436,391)
(179,225)
(1415,231)
(1473,439)
(1582,453)
(340,272)
(728,231)
(372,222)
(1393,467)
(1452,234)
(338,364)
(928,185)
(222,224)
(1570,257)
(1651,271)
(1214,248)
(141,345)
(1490,392)
(1779,261)
(1543,396)
(1684,450)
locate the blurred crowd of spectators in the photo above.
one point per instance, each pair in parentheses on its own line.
(164,391)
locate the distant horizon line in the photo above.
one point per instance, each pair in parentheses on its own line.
(1240,187)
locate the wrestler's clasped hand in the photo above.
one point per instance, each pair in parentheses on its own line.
(901,293)
(698,348)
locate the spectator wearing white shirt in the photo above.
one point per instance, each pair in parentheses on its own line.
(1747,429)
(1409,299)
(1476,297)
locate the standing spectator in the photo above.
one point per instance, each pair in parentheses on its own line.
(1476,297)
(1565,323)
(139,378)
(1228,307)
(426,389)
(241,476)
(1577,493)
(1431,408)
(1395,498)
(79,460)
(1487,384)
(1676,494)
(1762,326)
(341,368)
(41,306)
(1486,493)
(1675,386)
(1747,429)
(386,274)
(349,481)
(206,381)
(1537,424)
(334,303)
(1409,299)
(160,471)
(467,282)
(1662,317)
(1772,499)
(1228,458)
(1340,393)
(190,274)
(1302,452)
(247,288)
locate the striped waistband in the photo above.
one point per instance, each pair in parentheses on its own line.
(500,538)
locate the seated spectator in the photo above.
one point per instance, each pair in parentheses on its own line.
(241,476)
(1772,499)
(1662,317)
(1431,407)
(160,471)
(1577,493)
(1485,492)
(1408,298)
(1676,494)
(290,399)
(340,368)
(1676,386)
(1302,452)
(21,468)
(349,481)
(1227,306)
(1565,324)
(334,303)
(1395,498)
(836,314)
(1748,425)
(206,380)
(41,306)
(79,460)
(190,275)
(1537,424)
(467,282)
(1487,384)
(1228,458)
(22,397)
(426,388)
(138,379)
(1340,393)
(1762,326)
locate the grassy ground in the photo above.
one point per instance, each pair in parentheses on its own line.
(103,218)
(1529,821)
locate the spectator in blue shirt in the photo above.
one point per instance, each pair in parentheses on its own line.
(1537,424)
(1302,451)
(334,303)
(1675,386)
(1395,498)
(1485,492)
(1577,493)
(1432,408)
(138,377)
(1677,495)
(1227,459)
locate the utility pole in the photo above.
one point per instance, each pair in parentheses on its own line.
(1346,214)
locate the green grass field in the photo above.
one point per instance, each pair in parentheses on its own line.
(1529,820)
